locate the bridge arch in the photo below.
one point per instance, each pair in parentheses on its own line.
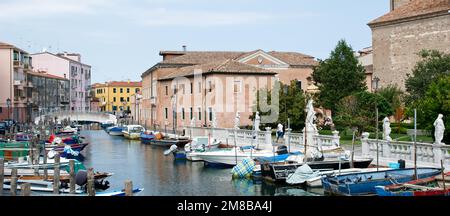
(99,117)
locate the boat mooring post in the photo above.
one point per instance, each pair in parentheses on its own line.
(90,182)
(415,144)
(376,134)
(13,182)
(72,176)
(56,174)
(128,188)
(443,174)
(2,175)
(26,189)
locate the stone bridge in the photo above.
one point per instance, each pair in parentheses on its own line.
(98,117)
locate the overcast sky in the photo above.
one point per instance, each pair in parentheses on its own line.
(122,38)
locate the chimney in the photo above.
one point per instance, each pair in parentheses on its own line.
(184,48)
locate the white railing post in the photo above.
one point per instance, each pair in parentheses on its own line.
(336,138)
(365,144)
(268,136)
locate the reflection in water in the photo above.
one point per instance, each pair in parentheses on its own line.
(161,175)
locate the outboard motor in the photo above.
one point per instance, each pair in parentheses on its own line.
(282,150)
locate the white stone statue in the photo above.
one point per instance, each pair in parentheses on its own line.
(439,129)
(237,121)
(310,117)
(193,122)
(387,129)
(257,121)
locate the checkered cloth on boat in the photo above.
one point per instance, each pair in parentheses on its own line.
(243,168)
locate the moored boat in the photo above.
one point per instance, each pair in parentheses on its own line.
(360,184)
(133,132)
(421,187)
(115,131)
(279,171)
(230,157)
(147,136)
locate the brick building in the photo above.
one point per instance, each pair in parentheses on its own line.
(228,83)
(398,36)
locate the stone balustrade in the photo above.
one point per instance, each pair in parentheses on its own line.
(427,154)
(248,137)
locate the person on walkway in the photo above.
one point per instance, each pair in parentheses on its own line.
(280,132)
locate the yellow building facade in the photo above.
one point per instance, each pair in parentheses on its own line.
(116,96)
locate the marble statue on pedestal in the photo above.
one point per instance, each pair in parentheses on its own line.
(439,129)
(387,129)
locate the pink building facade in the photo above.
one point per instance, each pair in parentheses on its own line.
(70,67)
(14,65)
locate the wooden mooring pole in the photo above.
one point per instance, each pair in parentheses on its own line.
(90,183)
(128,188)
(56,173)
(13,182)
(72,176)
(2,175)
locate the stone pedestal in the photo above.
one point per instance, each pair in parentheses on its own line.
(365,144)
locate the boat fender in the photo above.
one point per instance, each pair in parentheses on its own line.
(81,177)
(51,154)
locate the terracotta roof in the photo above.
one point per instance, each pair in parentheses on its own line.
(199,57)
(47,75)
(294,58)
(414,8)
(224,66)
(118,84)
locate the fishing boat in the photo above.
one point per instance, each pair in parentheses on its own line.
(115,130)
(230,157)
(14,150)
(133,132)
(361,184)
(169,140)
(421,187)
(46,187)
(200,144)
(147,136)
(279,171)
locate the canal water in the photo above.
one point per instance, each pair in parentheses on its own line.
(161,175)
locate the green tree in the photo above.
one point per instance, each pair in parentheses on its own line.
(292,102)
(436,101)
(339,76)
(433,65)
(358,110)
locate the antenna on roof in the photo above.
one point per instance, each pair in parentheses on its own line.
(184,48)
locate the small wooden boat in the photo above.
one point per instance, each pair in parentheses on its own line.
(422,187)
(169,142)
(13,150)
(279,171)
(360,184)
(147,136)
(46,187)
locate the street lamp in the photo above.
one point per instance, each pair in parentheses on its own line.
(8,103)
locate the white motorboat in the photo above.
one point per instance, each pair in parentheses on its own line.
(198,145)
(230,157)
(133,132)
